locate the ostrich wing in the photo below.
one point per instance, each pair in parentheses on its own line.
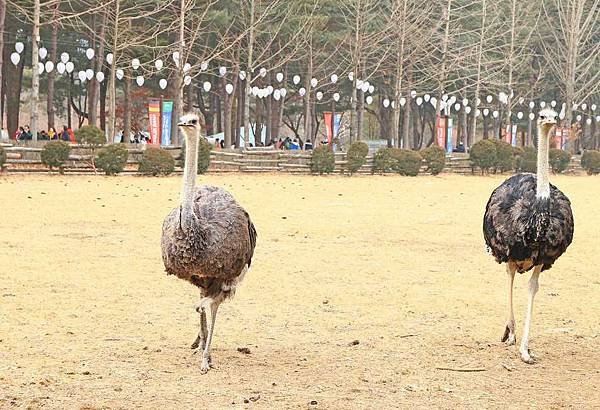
(519,227)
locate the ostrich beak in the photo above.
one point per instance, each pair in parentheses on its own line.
(183,124)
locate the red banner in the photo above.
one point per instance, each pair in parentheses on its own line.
(441,132)
(328,117)
(154,121)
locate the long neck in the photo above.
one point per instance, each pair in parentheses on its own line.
(543,184)
(189,175)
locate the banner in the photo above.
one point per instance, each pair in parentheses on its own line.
(513,141)
(441,132)
(507,135)
(167,114)
(337,124)
(329,126)
(565,138)
(154,121)
(559,138)
(449,142)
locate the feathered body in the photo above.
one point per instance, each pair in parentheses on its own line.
(529,231)
(216,249)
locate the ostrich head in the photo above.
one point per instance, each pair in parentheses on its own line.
(190,125)
(547,119)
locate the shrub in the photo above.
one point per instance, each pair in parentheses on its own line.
(55,153)
(527,161)
(112,159)
(156,161)
(505,160)
(356,156)
(322,160)
(435,158)
(407,162)
(559,160)
(590,161)
(483,155)
(383,161)
(90,135)
(204,148)
(2,157)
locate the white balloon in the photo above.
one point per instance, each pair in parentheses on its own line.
(489,99)
(371,89)
(15,58)
(60,67)
(365,87)
(426,97)
(187,80)
(575,106)
(158,64)
(90,53)
(270,90)
(593,107)
(135,63)
(468,109)
(456,107)
(452,100)
(187,67)
(553,103)
(369,99)
(413,94)
(485,112)
(120,74)
(314,82)
(162,83)
(283,92)
(41,68)
(296,79)
(279,77)
(207,86)
(419,101)
(302,91)
(351,76)
(82,76)
(109,58)
(465,102)
(495,114)
(393,104)
(19,47)
(433,101)
(478,101)
(64,57)
(277,95)
(229,88)
(519,115)
(42,52)
(242,75)
(69,66)
(89,73)
(444,97)
(319,96)
(222,71)
(402,101)
(255,91)
(386,103)
(503,97)
(336,97)
(175,57)
(204,66)
(139,80)
(588,121)
(584,106)
(542,104)
(263,72)
(597,118)
(579,118)
(359,83)
(477,112)
(334,78)
(531,116)
(49,66)
(99,76)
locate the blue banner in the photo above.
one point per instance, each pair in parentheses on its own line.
(337,123)
(167,111)
(449,142)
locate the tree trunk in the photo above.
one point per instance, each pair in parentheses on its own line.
(178,80)
(360,114)
(2,28)
(126,108)
(51,76)
(112,81)
(103,90)
(13,78)
(249,74)
(95,89)
(35,74)
(478,79)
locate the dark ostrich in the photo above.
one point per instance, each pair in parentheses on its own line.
(528,224)
(208,240)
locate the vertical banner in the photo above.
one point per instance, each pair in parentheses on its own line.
(328,117)
(565,138)
(154,121)
(557,138)
(167,114)
(507,135)
(337,123)
(449,140)
(441,132)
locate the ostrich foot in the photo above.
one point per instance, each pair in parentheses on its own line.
(197,343)
(527,356)
(509,334)
(206,364)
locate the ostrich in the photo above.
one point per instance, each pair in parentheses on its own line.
(208,240)
(528,224)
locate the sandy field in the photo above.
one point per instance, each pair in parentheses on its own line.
(363,292)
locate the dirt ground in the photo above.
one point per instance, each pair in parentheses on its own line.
(361,290)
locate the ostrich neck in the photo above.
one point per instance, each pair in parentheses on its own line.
(543,184)
(189,179)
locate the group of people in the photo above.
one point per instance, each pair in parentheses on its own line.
(291,144)
(66,134)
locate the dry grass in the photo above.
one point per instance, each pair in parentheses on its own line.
(88,319)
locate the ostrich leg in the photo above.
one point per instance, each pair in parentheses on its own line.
(201,338)
(206,359)
(533,288)
(509,331)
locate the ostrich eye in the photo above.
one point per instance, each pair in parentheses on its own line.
(556,118)
(542,117)
(194,121)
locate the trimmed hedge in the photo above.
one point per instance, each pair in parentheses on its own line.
(483,155)
(156,161)
(383,161)
(505,160)
(204,149)
(559,160)
(112,159)
(435,158)
(322,160)
(407,162)
(527,160)
(590,161)
(55,153)
(356,156)
(90,135)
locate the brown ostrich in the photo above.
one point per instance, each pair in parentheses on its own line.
(208,240)
(528,224)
